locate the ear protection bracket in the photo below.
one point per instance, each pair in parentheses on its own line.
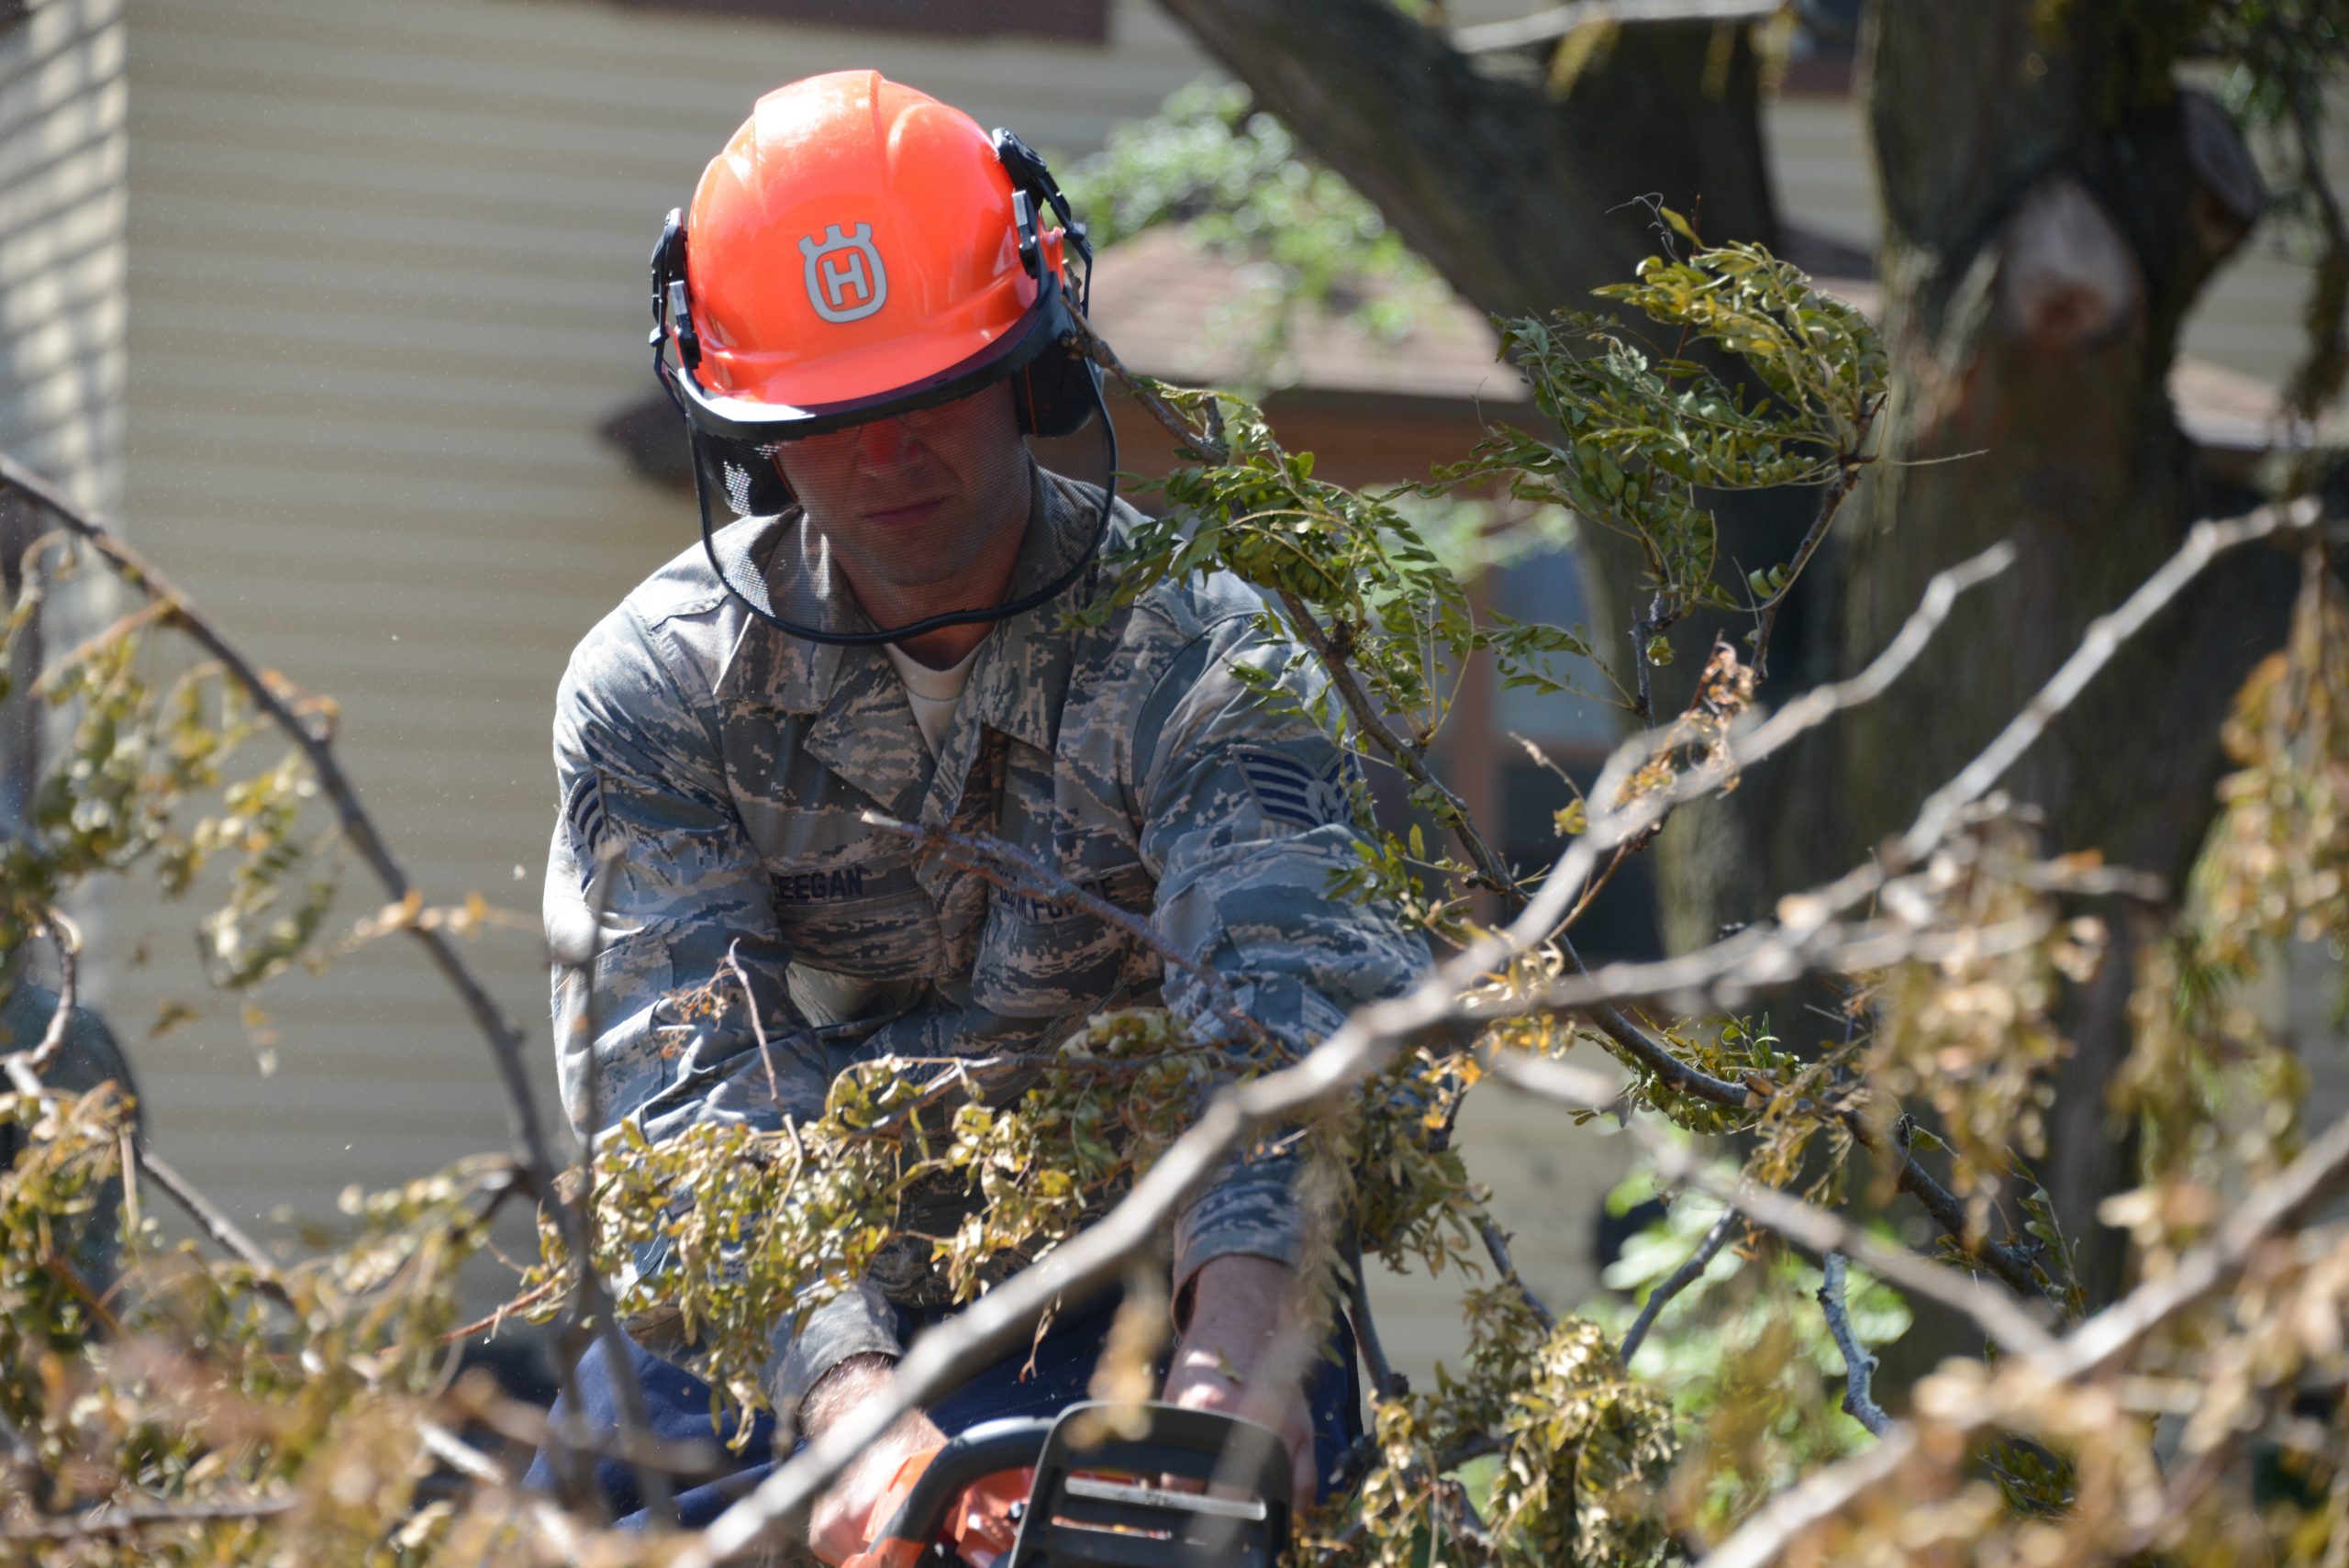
(669,307)
(1031,178)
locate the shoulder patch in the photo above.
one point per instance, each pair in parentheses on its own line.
(1289,791)
(584,821)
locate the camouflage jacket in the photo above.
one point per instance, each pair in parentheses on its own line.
(733,763)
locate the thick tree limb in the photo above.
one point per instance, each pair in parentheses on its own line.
(1511,192)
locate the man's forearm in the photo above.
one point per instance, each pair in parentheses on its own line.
(846,1386)
(842,1520)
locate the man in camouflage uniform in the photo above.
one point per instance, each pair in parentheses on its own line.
(732,750)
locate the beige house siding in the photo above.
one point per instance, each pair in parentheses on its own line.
(61,203)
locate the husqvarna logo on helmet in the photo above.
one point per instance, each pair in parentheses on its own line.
(845,280)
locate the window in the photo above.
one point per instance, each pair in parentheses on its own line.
(1086,21)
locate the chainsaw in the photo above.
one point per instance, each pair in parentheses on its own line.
(1096,1486)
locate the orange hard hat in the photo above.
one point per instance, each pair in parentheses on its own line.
(860,249)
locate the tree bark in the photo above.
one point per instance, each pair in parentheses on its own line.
(1520,196)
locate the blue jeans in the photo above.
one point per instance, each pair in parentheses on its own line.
(678,1406)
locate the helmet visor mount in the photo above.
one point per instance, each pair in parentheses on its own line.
(971,495)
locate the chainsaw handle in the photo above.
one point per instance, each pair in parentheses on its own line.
(983,1451)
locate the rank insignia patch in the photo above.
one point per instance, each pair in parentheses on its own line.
(583,819)
(1289,791)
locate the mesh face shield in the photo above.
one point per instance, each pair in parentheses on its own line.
(881,528)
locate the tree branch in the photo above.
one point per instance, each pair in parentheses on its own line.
(130,1520)
(1386,1383)
(505,1042)
(214,1224)
(2105,637)
(991,1325)
(1405,757)
(1496,1248)
(1830,502)
(1858,1365)
(1365,1043)
(592,1314)
(1504,187)
(2089,1351)
(1680,1279)
(68,942)
(1807,1224)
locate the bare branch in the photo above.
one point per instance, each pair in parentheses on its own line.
(2093,1346)
(214,1224)
(591,1313)
(1368,719)
(1680,1279)
(140,1517)
(1807,1224)
(461,1456)
(1496,1248)
(505,1042)
(1550,26)
(1859,1366)
(68,942)
(2105,638)
(1830,501)
(524,1423)
(1822,1232)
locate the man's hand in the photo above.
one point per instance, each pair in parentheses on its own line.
(842,1523)
(1242,1354)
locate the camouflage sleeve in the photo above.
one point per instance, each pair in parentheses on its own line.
(636,763)
(1246,817)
